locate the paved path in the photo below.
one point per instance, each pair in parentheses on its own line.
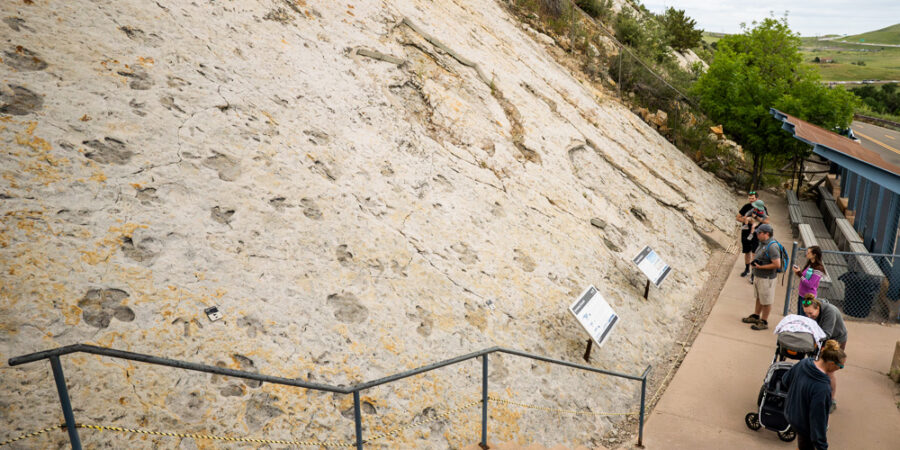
(718,382)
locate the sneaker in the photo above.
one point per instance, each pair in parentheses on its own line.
(761,325)
(752,318)
(833,407)
(745,273)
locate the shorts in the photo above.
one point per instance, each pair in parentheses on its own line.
(748,246)
(765,290)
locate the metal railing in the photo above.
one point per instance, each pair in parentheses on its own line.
(72,426)
(862,285)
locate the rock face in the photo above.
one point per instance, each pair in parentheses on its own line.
(358,193)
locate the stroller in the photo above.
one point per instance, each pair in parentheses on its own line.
(772,395)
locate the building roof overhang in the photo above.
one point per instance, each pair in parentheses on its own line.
(842,151)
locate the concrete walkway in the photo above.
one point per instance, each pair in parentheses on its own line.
(719,380)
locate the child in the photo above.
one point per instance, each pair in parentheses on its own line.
(756,216)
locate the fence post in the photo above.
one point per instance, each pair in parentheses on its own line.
(484,400)
(619,84)
(640,442)
(790,275)
(357,419)
(64,401)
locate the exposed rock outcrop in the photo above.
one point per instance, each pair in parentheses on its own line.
(360,188)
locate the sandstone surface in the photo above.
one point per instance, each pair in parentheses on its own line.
(361,188)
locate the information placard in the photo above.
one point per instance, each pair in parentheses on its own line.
(594,314)
(652,265)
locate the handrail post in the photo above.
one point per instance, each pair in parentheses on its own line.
(790,275)
(640,442)
(64,401)
(484,400)
(357,419)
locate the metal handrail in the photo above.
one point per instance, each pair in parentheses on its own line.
(54,354)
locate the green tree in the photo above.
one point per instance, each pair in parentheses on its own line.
(761,69)
(681,30)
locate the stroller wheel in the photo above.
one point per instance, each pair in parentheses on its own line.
(752,421)
(787,436)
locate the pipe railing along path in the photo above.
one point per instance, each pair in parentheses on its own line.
(74,439)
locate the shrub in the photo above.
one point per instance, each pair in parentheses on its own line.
(629,31)
(598,9)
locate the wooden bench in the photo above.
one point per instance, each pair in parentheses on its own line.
(820,231)
(792,197)
(844,234)
(824,195)
(809,209)
(830,213)
(863,262)
(807,237)
(831,259)
(833,290)
(795,216)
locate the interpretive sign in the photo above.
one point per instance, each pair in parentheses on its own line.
(652,265)
(594,314)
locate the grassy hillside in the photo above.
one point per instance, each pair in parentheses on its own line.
(888,35)
(852,61)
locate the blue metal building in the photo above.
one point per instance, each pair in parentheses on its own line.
(870,184)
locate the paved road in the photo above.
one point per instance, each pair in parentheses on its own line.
(885,142)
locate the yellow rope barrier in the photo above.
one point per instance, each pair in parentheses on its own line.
(30,435)
(219,438)
(443,415)
(557,410)
(187,435)
(423,422)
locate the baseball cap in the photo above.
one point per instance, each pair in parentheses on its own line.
(765,228)
(758,204)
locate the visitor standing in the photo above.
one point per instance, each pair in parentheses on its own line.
(832,323)
(809,396)
(766,263)
(810,275)
(748,239)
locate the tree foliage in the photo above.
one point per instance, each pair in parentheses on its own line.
(883,100)
(761,69)
(681,30)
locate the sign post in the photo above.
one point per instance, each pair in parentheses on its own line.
(595,316)
(652,266)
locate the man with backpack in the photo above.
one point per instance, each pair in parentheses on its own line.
(770,260)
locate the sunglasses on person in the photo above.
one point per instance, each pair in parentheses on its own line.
(806,302)
(751,193)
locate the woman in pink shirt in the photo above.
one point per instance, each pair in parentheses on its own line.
(809,276)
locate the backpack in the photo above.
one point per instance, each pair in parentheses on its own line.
(785,259)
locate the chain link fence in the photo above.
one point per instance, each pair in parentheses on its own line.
(863,286)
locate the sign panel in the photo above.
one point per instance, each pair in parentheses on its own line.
(652,265)
(594,314)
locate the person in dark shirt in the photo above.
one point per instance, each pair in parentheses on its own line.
(809,395)
(748,239)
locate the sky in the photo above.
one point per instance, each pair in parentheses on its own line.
(806,17)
